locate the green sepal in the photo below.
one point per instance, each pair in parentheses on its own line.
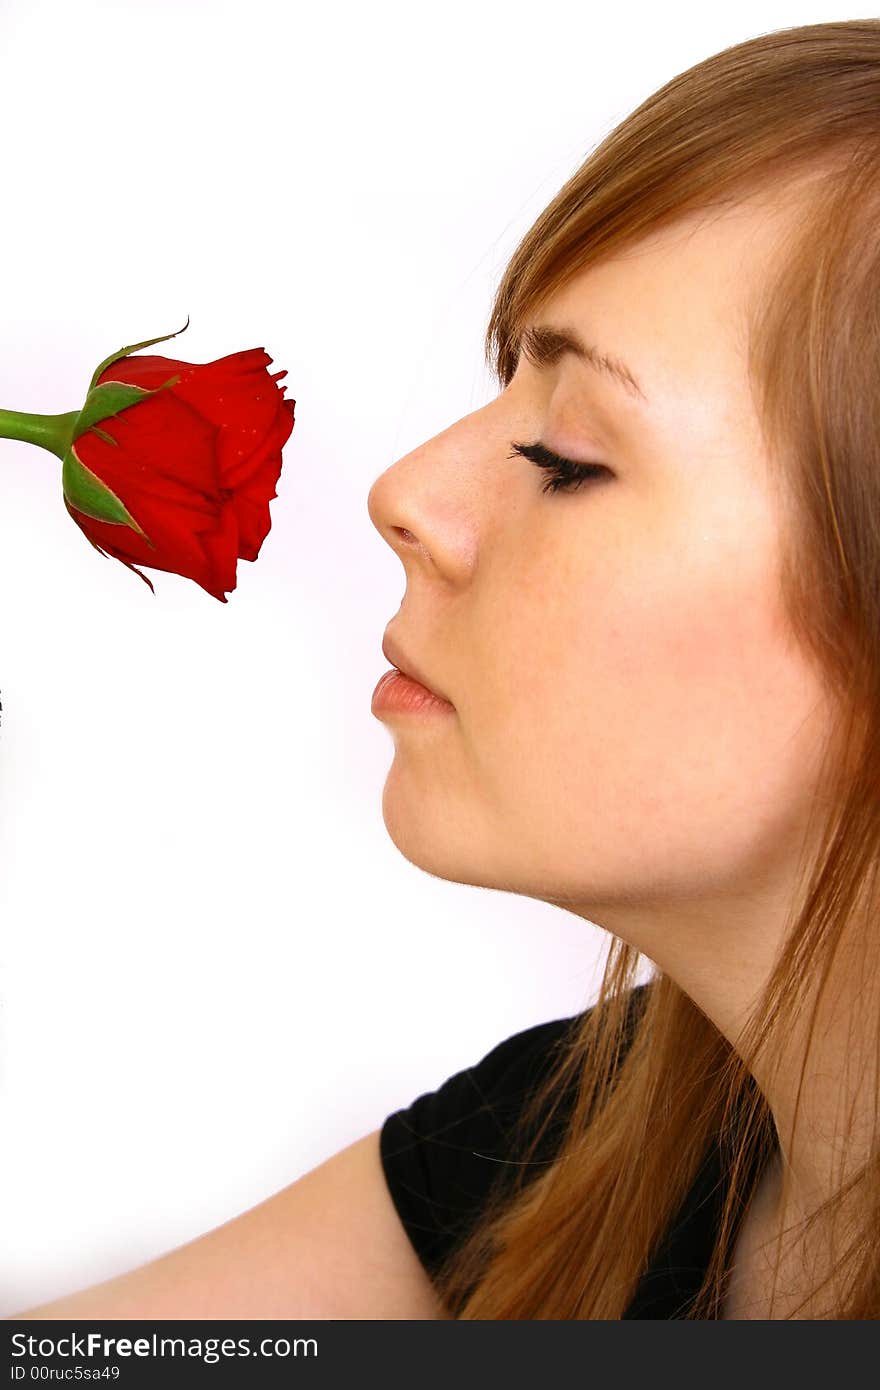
(84,490)
(123,352)
(106,400)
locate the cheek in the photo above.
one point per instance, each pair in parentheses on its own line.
(652,709)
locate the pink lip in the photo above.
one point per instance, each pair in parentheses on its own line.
(399,659)
(397,693)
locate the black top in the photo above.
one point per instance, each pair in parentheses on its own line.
(441,1154)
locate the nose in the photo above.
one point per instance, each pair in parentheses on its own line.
(413,498)
(388,510)
(423,506)
(436,505)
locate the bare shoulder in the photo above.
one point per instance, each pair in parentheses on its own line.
(330,1245)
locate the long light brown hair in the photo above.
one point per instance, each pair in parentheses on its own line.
(795,104)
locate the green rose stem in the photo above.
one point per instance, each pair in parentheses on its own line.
(82,488)
(80,485)
(52,432)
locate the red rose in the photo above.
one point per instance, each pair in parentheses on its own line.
(195,464)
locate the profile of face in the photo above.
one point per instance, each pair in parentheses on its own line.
(634,729)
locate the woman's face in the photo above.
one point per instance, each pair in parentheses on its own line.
(633,727)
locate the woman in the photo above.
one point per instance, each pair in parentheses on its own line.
(660,668)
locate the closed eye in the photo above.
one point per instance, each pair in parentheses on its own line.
(563,474)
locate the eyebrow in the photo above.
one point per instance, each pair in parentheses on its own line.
(545,343)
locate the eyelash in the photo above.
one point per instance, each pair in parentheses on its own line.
(564,474)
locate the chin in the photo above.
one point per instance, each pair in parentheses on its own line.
(436,839)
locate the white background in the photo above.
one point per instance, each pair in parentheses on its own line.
(215,967)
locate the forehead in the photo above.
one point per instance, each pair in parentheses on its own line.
(675,304)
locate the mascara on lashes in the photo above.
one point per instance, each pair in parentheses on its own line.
(563,473)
